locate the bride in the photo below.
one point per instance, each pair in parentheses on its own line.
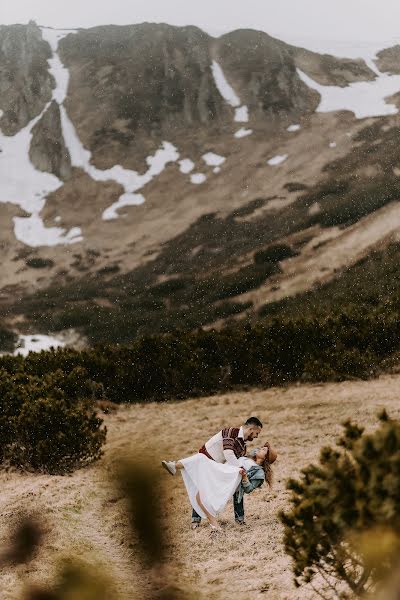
(210,484)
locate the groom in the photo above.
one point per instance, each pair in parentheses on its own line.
(228,445)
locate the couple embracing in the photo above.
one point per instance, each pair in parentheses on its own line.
(222,470)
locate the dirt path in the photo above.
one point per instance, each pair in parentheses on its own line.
(86,513)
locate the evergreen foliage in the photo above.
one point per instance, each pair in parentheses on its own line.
(183,364)
(343,528)
(8,339)
(47,421)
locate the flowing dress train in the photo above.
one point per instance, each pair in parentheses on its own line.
(215,482)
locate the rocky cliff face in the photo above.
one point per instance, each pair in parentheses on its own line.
(264,72)
(330,70)
(389,60)
(47,150)
(132,86)
(25,81)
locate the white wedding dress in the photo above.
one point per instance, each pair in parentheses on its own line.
(215,482)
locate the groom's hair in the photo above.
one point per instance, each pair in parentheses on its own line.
(254,421)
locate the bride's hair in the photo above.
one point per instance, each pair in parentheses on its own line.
(266,465)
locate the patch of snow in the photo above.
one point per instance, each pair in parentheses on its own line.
(229,94)
(186,165)
(277,160)
(36,343)
(198,178)
(32,232)
(314,209)
(242,132)
(57,219)
(294,127)
(363,98)
(216,169)
(332,145)
(224,88)
(24,186)
(130,180)
(125,200)
(213,160)
(242,114)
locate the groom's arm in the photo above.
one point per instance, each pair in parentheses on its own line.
(228,445)
(231,458)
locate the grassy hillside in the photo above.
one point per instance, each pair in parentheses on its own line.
(371,285)
(86,514)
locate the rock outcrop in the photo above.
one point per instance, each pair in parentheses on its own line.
(25,82)
(132,86)
(47,150)
(263,72)
(331,70)
(389,60)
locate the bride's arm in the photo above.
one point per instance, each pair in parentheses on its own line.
(250,485)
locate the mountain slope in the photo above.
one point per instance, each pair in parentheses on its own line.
(156,156)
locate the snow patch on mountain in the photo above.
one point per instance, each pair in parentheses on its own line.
(224,88)
(242,114)
(198,178)
(126,199)
(363,98)
(24,186)
(36,343)
(186,165)
(229,94)
(294,127)
(277,160)
(242,132)
(213,160)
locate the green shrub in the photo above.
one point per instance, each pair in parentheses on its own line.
(247,278)
(108,270)
(295,186)
(341,508)
(8,339)
(166,288)
(274,254)
(47,422)
(39,263)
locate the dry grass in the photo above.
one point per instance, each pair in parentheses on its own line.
(86,513)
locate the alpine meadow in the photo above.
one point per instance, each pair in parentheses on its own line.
(200,244)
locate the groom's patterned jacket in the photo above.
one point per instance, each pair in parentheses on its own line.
(226,446)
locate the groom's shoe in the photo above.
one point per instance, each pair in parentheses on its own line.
(169,465)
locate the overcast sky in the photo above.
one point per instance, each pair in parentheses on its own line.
(323,24)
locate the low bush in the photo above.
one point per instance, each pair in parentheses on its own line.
(343,528)
(274,254)
(246,279)
(8,339)
(47,422)
(39,263)
(185,363)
